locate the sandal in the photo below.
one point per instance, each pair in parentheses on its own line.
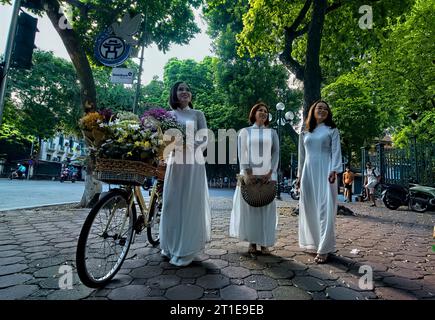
(252,249)
(265,251)
(321,258)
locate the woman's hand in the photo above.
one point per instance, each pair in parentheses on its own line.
(298,183)
(248,177)
(267,177)
(332,176)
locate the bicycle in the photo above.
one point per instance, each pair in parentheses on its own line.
(111,227)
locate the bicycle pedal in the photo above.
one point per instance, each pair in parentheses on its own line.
(139,225)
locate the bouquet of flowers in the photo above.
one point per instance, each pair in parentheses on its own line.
(165,119)
(124,136)
(90,125)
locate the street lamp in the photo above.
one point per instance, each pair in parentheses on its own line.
(288,118)
(279,122)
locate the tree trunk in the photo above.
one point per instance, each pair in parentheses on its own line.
(312,72)
(87,85)
(92,189)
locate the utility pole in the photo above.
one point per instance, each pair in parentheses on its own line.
(8,53)
(136,96)
(144,42)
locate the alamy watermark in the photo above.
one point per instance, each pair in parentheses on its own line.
(66,278)
(366,21)
(252,147)
(366,281)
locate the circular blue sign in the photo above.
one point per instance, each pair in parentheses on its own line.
(111,50)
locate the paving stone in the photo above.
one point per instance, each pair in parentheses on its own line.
(309,283)
(7,242)
(33,243)
(238,282)
(235,292)
(284,253)
(201,257)
(235,272)
(36,249)
(319,296)
(290,293)
(120,280)
(394,294)
(279,272)
(341,293)
(146,272)
(14,279)
(406,273)
(403,283)
(213,281)
(40,294)
(406,265)
(47,272)
(191,272)
(8,247)
(49,262)
(265,295)
(252,265)
(131,292)
(324,273)
(215,252)
(164,281)
(100,293)
(188,281)
(425,293)
(10,260)
(184,292)
(12,268)
(18,292)
(269,259)
(39,255)
(9,253)
(261,282)
(293,265)
(134,263)
(235,257)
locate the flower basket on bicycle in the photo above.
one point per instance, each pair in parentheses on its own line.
(126,172)
(125,150)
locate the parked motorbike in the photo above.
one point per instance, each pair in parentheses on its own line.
(294,191)
(417,197)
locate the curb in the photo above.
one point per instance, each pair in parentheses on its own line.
(39,206)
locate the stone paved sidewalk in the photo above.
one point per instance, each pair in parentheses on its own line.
(397,245)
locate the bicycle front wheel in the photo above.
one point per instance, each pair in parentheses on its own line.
(154,222)
(105,239)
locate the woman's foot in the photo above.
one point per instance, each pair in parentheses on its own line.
(265,251)
(321,258)
(252,248)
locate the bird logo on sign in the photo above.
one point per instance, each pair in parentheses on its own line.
(127,28)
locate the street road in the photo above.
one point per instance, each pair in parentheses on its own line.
(16,194)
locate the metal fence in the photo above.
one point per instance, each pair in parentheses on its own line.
(401,166)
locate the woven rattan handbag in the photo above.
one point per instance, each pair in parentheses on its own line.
(257,194)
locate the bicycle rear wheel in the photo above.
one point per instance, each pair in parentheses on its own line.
(105,239)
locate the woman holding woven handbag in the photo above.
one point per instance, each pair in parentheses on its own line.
(258,150)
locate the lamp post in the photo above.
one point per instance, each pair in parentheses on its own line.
(279,122)
(288,118)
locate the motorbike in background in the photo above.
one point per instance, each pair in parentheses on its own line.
(68,174)
(417,197)
(16,174)
(294,191)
